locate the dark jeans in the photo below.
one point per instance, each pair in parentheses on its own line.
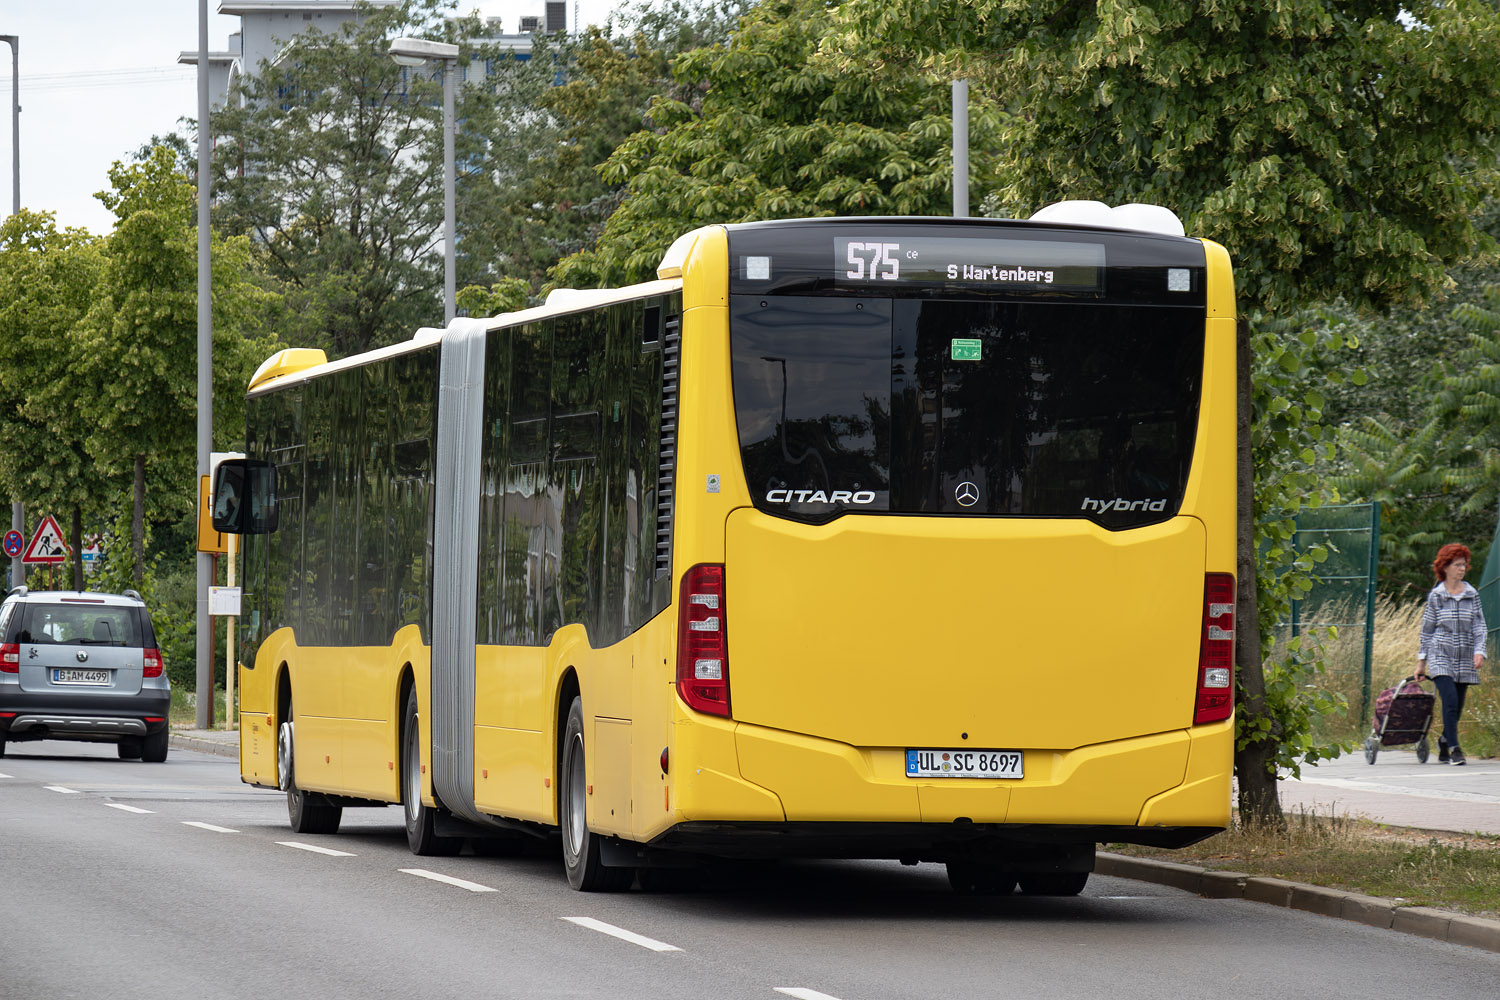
(1452,693)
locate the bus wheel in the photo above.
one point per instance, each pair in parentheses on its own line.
(420,819)
(1053,883)
(307,811)
(975,878)
(580,847)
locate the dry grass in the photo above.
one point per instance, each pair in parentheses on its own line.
(1459,872)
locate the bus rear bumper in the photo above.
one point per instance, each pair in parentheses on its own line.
(1167,789)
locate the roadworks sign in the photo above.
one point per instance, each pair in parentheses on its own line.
(47,545)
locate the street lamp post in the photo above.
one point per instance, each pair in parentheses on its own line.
(17,508)
(415,52)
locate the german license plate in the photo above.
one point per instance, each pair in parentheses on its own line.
(965,764)
(69,675)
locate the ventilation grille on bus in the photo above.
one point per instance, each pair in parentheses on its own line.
(667,473)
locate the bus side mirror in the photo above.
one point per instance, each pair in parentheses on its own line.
(244,492)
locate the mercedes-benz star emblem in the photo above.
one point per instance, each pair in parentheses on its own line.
(82,656)
(966,494)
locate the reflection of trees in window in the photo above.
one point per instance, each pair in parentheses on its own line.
(571,415)
(347,462)
(373,592)
(413,390)
(317,506)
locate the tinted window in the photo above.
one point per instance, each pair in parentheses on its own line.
(80,625)
(922,405)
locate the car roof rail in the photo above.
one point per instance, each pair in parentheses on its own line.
(20,591)
(135,594)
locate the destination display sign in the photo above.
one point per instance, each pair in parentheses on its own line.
(989,263)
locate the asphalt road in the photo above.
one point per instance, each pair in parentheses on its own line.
(123,879)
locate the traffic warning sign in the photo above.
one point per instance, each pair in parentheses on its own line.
(47,545)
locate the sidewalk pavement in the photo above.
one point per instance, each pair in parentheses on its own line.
(1395,790)
(224,742)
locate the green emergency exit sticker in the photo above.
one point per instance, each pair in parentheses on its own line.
(965,350)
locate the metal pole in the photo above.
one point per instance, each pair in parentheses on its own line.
(17,508)
(960,148)
(1373,565)
(231,717)
(205,650)
(450,308)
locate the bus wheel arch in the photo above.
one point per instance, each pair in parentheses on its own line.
(422,838)
(581,847)
(307,812)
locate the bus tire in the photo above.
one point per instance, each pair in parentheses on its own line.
(421,819)
(1053,883)
(307,812)
(154,747)
(580,846)
(975,878)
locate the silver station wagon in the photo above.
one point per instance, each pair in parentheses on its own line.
(84,667)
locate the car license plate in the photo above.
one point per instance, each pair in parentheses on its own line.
(74,676)
(965,764)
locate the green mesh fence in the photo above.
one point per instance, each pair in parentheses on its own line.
(1344,593)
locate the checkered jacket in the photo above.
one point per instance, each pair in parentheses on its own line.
(1453,631)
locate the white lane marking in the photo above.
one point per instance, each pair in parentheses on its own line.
(60,788)
(315,849)
(803,993)
(209,826)
(447,879)
(4,776)
(621,933)
(130,809)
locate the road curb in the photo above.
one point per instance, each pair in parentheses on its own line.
(1441,925)
(185,742)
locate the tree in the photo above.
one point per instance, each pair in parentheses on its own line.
(137,345)
(1437,470)
(556,203)
(332,160)
(772,124)
(47,277)
(1337,149)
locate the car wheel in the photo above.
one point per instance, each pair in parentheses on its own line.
(420,818)
(580,846)
(307,811)
(129,749)
(154,747)
(975,878)
(2,746)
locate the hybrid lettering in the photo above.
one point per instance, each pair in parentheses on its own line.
(1121,505)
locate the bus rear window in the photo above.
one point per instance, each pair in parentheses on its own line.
(932,406)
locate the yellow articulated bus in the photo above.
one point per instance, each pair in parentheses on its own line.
(846,538)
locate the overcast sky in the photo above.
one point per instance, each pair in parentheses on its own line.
(100,77)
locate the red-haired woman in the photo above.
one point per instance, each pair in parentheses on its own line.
(1452,647)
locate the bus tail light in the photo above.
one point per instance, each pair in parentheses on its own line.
(10,658)
(1215,700)
(152,663)
(702,641)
